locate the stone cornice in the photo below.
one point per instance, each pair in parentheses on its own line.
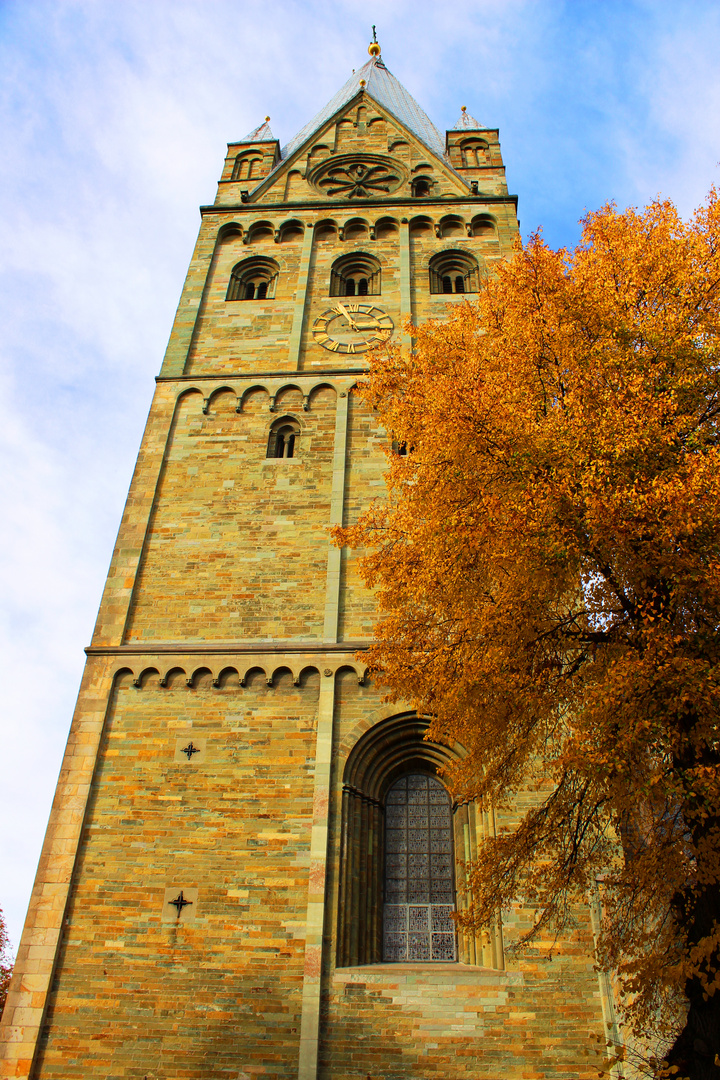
(320,373)
(227,648)
(333,207)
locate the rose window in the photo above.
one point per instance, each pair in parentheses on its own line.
(357,178)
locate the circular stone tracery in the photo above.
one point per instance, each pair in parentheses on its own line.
(354,177)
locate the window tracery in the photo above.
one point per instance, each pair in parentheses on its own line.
(419,878)
(393,809)
(357,176)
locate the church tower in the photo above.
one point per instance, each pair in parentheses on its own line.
(251,864)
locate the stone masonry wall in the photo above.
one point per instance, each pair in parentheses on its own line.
(536,1019)
(237,547)
(137,991)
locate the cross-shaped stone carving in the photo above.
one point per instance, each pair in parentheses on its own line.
(180,902)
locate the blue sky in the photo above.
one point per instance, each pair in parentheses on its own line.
(115,118)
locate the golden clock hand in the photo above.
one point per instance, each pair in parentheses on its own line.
(344,311)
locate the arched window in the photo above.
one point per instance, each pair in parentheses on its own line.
(421,187)
(454,272)
(404,846)
(253,279)
(247,166)
(419,872)
(283,438)
(474,153)
(355,275)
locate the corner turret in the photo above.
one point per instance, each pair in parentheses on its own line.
(253,157)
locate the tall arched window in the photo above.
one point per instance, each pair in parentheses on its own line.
(404,847)
(419,872)
(355,275)
(283,438)
(253,279)
(454,272)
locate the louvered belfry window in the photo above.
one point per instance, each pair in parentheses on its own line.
(419,885)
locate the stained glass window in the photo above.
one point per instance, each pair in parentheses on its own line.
(419,884)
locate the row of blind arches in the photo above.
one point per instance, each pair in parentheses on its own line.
(357,274)
(482,226)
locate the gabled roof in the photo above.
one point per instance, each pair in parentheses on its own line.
(381,85)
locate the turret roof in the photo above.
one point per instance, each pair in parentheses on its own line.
(466,121)
(381,85)
(262,133)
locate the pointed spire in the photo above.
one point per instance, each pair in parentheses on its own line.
(375,79)
(262,133)
(466,121)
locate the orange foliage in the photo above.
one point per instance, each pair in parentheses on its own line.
(6,964)
(547,568)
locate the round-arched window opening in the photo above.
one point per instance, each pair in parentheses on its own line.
(454,272)
(355,275)
(394,805)
(419,872)
(282,441)
(421,187)
(253,279)
(474,153)
(247,166)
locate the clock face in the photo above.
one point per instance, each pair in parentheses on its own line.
(352,327)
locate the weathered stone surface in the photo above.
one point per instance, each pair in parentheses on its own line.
(230,624)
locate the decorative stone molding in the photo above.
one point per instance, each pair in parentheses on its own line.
(355,176)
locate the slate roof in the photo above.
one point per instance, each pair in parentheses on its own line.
(382,85)
(260,134)
(467,122)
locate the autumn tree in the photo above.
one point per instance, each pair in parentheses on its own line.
(547,566)
(6,964)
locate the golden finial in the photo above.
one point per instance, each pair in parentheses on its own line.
(266,119)
(464,108)
(362,83)
(373,47)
